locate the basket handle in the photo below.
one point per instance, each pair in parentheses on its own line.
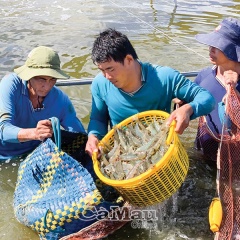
(95,158)
(171,132)
(57,230)
(56,131)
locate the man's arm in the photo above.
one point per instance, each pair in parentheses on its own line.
(199,102)
(99,117)
(98,125)
(69,120)
(200,99)
(43,130)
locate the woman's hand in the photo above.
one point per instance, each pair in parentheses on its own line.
(231,78)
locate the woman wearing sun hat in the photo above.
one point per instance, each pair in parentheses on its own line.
(28,98)
(224,53)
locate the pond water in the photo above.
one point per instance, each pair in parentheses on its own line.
(162,33)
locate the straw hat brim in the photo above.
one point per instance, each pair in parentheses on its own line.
(26,73)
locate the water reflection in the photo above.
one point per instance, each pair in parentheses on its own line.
(155,10)
(70,27)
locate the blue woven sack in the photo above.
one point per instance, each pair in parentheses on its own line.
(55,194)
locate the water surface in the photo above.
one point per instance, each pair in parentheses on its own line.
(162,33)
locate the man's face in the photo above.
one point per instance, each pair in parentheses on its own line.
(42,85)
(116,72)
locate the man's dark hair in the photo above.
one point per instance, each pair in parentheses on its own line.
(112,45)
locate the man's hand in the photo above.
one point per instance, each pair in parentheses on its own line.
(92,145)
(43,130)
(182,117)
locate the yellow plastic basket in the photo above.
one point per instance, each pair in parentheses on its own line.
(162,180)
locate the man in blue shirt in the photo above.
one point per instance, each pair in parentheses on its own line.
(127,86)
(28,98)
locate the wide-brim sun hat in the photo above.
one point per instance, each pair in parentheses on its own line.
(226,37)
(41,61)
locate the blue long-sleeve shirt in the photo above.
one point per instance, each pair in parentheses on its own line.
(160,85)
(17,112)
(207,79)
